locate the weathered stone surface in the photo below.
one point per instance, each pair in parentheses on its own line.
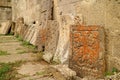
(41,38)
(12,28)
(65,71)
(48,56)
(87,50)
(33,33)
(5,3)
(5,27)
(52,36)
(113,45)
(112,62)
(30,33)
(36,10)
(65,12)
(5,10)
(103,12)
(34,37)
(26,28)
(62,51)
(19,26)
(51,41)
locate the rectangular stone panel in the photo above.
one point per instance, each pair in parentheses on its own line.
(5,13)
(51,39)
(87,50)
(52,36)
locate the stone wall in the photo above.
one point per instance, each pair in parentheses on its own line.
(35,13)
(5,10)
(31,10)
(5,3)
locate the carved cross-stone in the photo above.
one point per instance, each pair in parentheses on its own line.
(87,50)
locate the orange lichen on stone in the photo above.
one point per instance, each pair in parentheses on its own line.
(85,49)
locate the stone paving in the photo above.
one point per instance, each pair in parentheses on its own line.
(32,69)
(15,50)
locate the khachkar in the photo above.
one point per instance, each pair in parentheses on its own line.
(87,50)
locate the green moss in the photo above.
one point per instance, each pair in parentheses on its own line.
(41,73)
(22,52)
(2,35)
(108,73)
(4,53)
(114,70)
(40,56)
(27,44)
(8,70)
(10,34)
(5,68)
(19,38)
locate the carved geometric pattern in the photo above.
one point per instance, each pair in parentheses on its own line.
(85,46)
(85,49)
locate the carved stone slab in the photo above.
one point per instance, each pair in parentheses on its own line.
(87,50)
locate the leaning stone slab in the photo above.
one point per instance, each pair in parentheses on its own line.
(5,27)
(35,33)
(13,28)
(51,41)
(30,35)
(34,37)
(19,26)
(27,33)
(62,51)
